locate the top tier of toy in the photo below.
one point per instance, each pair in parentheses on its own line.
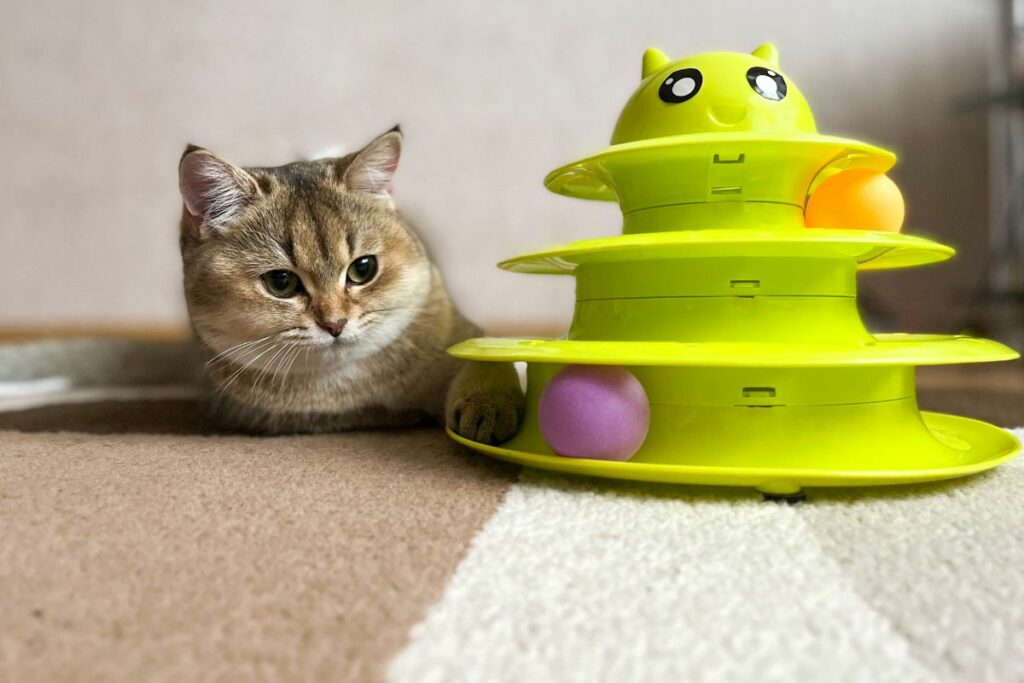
(728,92)
(716,140)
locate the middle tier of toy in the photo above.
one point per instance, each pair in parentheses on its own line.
(729,298)
(719,299)
(786,286)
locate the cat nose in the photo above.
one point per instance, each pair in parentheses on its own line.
(333,326)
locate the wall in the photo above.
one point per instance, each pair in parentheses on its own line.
(98,99)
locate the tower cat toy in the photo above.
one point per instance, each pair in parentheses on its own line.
(717,340)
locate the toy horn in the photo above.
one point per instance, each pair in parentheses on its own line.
(765,51)
(654,59)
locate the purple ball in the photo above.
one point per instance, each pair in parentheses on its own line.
(594,411)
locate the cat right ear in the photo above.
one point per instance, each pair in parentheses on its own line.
(213,190)
(373,167)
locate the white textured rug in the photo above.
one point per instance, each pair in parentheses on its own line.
(584,580)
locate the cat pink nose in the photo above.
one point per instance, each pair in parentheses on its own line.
(333,326)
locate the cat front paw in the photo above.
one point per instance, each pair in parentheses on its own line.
(486,417)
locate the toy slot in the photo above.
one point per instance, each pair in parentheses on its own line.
(759,393)
(745,284)
(726,176)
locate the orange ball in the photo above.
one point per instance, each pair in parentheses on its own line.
(856,199)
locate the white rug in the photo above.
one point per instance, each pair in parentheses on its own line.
(584,580)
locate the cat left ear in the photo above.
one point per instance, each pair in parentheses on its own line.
(213,190)
(372,168)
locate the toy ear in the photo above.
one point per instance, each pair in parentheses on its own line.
(768,53)
(654,59)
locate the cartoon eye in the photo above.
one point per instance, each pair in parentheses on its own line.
(680,86)
(767,83)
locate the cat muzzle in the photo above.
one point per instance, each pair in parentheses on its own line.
(334,327)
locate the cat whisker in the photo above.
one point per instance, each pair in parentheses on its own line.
(302,333)
(226,385)
(237,347)
(280,365)
(231,355)
(291,362)
(271,362)
(241,355)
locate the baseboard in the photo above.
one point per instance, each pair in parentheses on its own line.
(157,332)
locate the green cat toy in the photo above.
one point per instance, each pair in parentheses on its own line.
(717,340)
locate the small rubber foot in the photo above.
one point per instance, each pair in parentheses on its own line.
(782,492)
(787,498)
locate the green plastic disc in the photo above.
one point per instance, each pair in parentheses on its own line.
(870,250)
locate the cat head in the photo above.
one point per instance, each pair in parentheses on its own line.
(312,255)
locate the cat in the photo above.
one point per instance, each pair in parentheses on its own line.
(314,305)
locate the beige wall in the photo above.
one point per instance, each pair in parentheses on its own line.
(98,99)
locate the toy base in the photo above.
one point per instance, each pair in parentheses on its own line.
(981,447)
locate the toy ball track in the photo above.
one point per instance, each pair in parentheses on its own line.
(739,321)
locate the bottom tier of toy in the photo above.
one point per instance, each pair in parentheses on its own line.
(978,447)
(777,430)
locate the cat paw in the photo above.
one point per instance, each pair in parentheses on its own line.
(486,418)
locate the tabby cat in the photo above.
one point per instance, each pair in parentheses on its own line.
(315,306)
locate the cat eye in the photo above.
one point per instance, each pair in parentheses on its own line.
(283,284)
(362,270)
(767,83)
(680,86)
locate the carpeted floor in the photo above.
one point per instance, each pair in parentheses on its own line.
(134,550)
(139,545)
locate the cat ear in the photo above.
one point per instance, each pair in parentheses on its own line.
(372,168)
(213,190)
(768,53)
(654,60)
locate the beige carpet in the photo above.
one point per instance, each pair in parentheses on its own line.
(141,556)
(138,545)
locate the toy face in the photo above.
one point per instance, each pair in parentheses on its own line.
(715,92)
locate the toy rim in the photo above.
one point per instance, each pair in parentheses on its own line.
(890,350)
(589,165)
(564,258)
(749,476)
